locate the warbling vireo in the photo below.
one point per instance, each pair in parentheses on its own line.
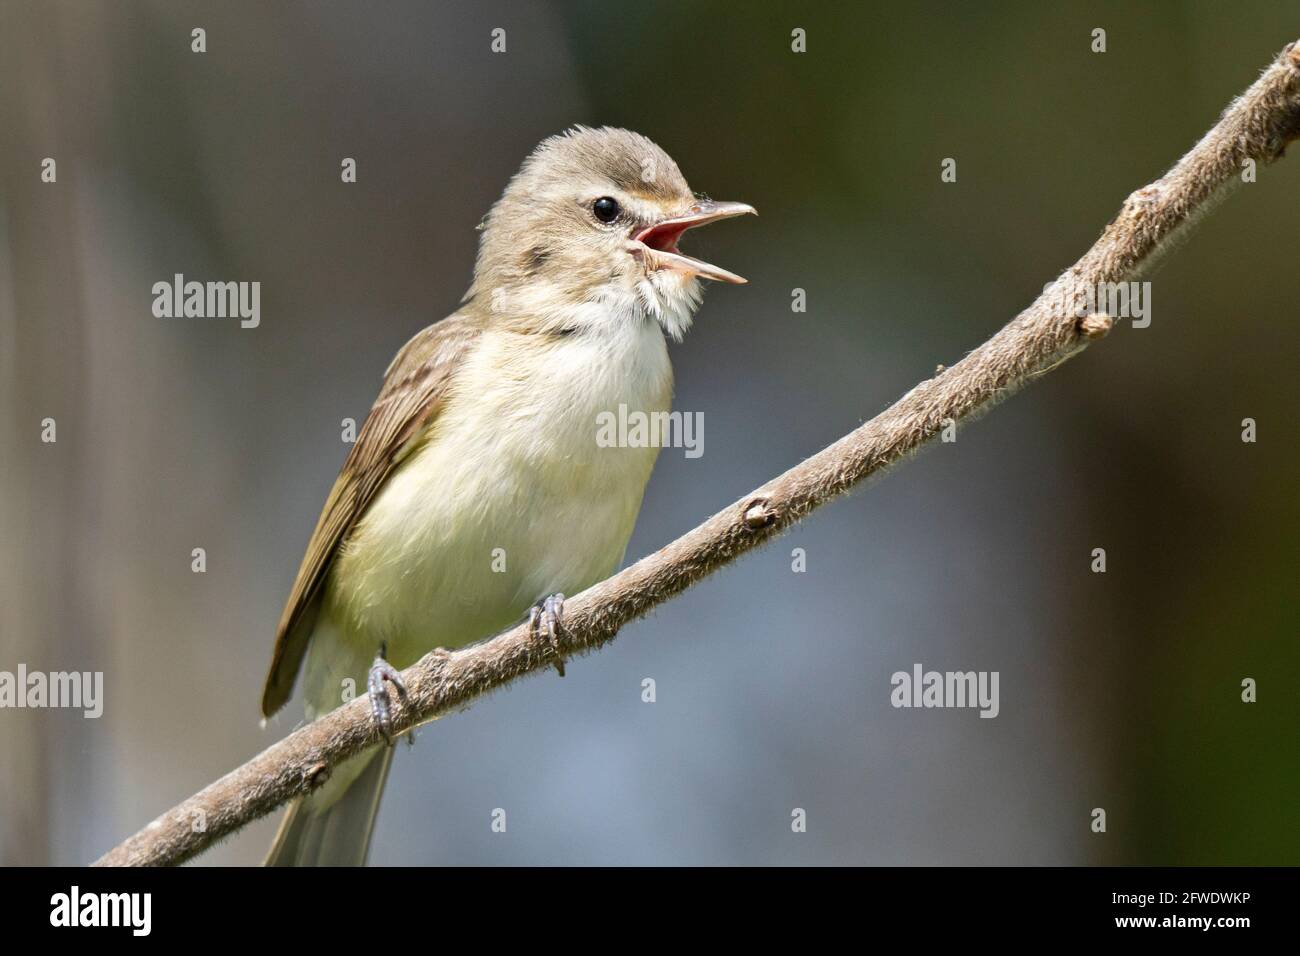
(476,492)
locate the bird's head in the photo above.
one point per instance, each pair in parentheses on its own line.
(586,233)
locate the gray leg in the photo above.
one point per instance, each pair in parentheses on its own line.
(380,708)
(545,619)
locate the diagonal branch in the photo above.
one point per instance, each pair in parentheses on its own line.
(1257,126)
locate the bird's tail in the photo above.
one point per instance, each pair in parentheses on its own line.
(332,828)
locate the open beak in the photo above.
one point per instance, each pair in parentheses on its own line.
(658,243)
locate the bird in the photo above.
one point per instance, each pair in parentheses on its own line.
(476,494)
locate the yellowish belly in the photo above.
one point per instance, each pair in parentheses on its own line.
(509,499)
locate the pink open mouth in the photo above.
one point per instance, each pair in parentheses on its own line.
(659,242)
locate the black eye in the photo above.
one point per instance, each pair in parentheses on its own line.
(605,209)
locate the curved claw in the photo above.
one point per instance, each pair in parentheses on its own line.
(545,619)
(380,707)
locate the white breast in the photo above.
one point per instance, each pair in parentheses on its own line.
(509,499)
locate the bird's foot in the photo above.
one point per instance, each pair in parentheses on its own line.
(380,707)
(545,619)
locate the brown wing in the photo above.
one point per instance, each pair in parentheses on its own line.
(415,386)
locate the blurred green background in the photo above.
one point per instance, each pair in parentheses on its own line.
(1118,690)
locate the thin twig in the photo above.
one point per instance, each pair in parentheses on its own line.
(1257,126)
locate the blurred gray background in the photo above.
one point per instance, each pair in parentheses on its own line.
(1118,690)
